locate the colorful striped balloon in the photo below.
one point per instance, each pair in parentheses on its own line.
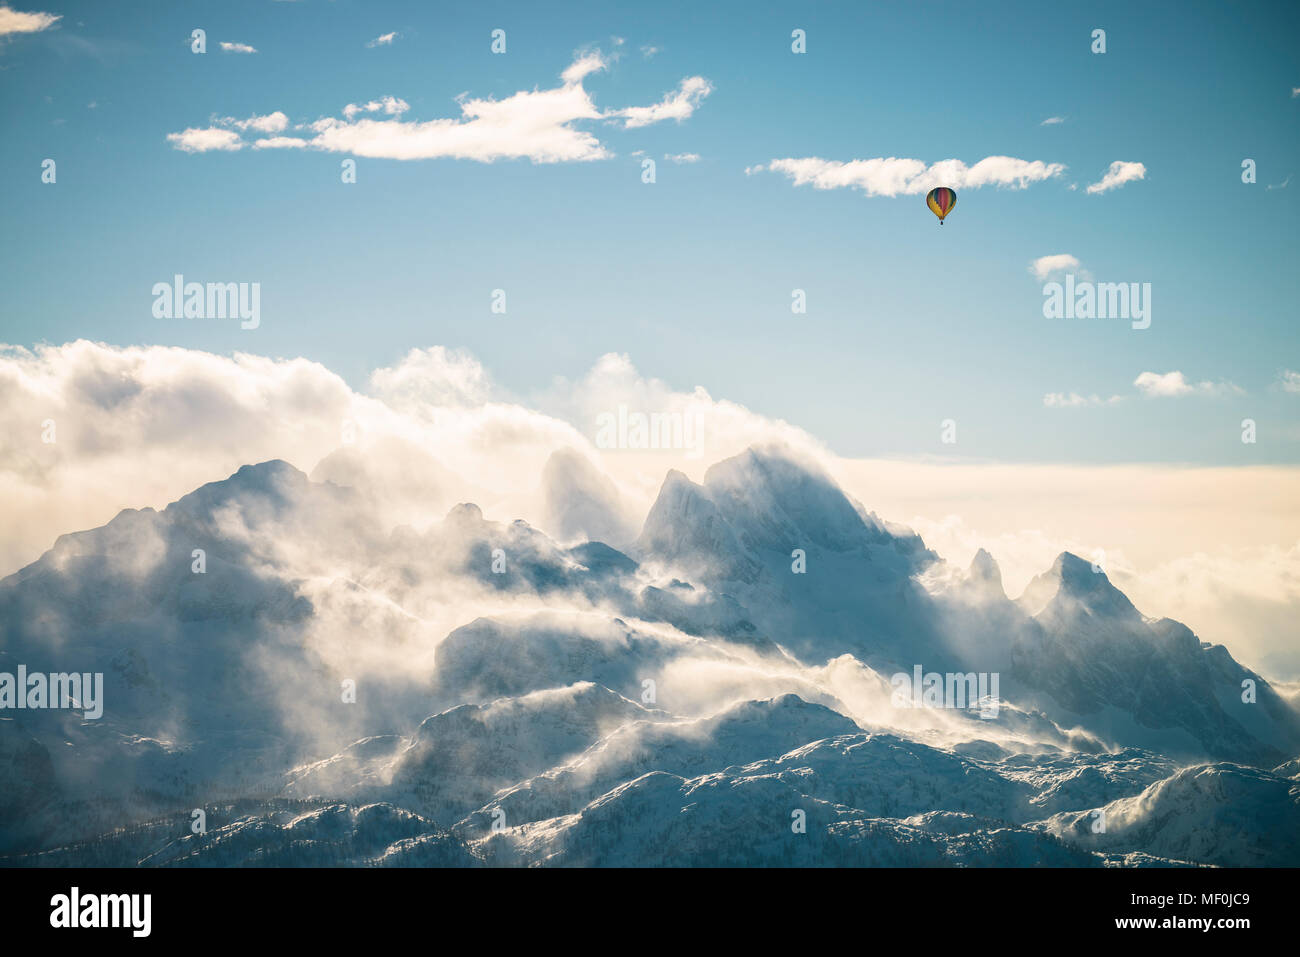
(941,200)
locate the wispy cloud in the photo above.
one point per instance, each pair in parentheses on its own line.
(1282,185)
(1290,380)
(1156,385)
(593,61)
(1120,172)
(1169,385)
(1044,266)
(682,157)
(538,124)
(270,123)
(677,105)
(1072,400)
(909,177)
(384,39)
(237,48)
(391,105)
(1052,121)
(16,21)
(279,143)
(224,132)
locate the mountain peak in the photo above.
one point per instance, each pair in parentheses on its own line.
(275,480)
(581,502)
(1074,582)
(268,471)
(1080,577)
(465,514)
(768,465)
(984,569)
(769,496)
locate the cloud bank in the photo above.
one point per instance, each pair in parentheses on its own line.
(88,429)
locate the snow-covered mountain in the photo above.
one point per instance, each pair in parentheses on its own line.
(331,686)
(1097,656)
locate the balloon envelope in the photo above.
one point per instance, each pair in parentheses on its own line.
(941,200)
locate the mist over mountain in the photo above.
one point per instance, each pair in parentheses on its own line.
(331,683)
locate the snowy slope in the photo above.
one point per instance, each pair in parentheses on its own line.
(337,690)
(1222,814)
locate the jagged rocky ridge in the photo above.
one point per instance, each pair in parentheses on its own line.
(680,697)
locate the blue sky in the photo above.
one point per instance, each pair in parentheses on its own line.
(908,323)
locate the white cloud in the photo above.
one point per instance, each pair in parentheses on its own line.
(384,39)
(1052,121)
(237,47)
(539,125)
(1120,172)
(1290,381)
(432,378)
(204,140)
(587,64)
(278,143)
(909,177)
(1168,385)
(682,157)
(1174,384)
(1155,385)
(678,105)
(271,123)
(1072,400)
(223,136)
(1044,266)
(1295,91)
(392,105)
(649,51)
(535,125)
(16,21)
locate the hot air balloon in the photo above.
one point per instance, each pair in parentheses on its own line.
(941,200)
